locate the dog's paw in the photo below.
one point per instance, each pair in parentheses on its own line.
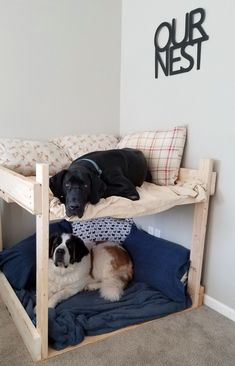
(92,286)
(111,293)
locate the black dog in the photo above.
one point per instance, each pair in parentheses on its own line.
(100,174)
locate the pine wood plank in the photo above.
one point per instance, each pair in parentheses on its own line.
(42,237)
(1,239)
(198,235)
(23,323)
(20,189)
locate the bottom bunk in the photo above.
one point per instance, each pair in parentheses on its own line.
(87,314)
(32,338)
(159,286)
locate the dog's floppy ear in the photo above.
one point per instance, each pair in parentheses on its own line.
(79,249)
(51,243)
(56,185)
(98,188)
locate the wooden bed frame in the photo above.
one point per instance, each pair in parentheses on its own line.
(34,197)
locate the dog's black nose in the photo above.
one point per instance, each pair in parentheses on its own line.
(74,207)
(60,251)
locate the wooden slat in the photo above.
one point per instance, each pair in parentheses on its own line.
(186,175)
(201,295)
(5,197)
(1,239)
(213,182)
(198,235)
(42,224)
(20,189)
(23,323)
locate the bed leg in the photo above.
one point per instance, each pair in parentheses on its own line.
(201,295)
(198,236)
(42,233)
(1,239)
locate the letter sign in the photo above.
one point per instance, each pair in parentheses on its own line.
(184,61)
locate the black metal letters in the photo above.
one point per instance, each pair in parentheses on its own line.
(167,57)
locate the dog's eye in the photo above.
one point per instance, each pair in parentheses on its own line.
(83,186)
(67,185)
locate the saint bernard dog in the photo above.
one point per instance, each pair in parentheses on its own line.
(74,266)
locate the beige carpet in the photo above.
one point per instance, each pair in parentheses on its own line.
(200,337)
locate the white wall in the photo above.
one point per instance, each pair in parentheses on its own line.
(59,67)
(59,74)
(204,100)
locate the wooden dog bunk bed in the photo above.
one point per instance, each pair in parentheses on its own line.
(33,195)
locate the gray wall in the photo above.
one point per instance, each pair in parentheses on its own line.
(204,101)
(59,74)
(59,67)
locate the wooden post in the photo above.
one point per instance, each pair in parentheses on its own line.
(199,233)
(1,239)
(21,319)
(42,237)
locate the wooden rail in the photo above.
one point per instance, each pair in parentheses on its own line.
(28,332)
(17,188)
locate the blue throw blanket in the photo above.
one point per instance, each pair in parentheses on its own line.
(88,314)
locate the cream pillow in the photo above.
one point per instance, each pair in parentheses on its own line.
(163,150)
(22,156)
(77,145)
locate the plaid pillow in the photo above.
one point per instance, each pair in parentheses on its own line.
(163,150)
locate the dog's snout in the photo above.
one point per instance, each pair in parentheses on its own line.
(60,251)
(74,207)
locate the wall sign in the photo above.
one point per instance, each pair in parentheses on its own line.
(174,56)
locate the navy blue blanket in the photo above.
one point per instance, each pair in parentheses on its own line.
(159,264)
(88,314)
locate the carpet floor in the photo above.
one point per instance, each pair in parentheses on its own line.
(200,337)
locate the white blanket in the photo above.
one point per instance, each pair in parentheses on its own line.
(153,199)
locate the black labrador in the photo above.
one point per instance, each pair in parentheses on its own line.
(100,174)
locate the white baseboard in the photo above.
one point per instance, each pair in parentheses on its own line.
(219,307)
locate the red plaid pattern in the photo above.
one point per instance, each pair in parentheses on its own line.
(163,150)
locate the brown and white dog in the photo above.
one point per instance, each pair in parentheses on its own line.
(74,266)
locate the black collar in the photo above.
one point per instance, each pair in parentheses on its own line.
(94,164)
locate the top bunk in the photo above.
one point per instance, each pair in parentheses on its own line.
(193,186)
(172,185)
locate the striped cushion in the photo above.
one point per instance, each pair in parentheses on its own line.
(163,150)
